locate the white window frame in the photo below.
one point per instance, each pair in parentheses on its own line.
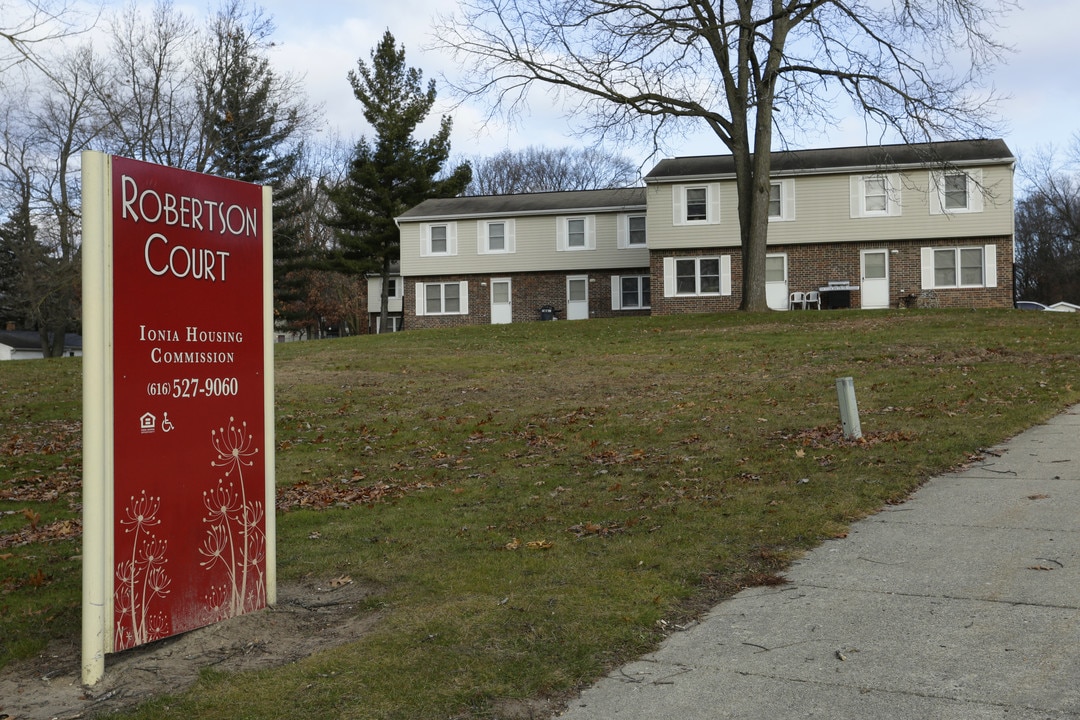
(624,234)
(859,192)
(451,239)
(617,294)
(421,298)
(396,288)
(928,268)
(786,205)
(483,237)
(712,204)
(670,277)
(562,233)
(938,201)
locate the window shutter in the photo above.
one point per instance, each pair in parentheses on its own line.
(927,267)
(560,233)
(622,232)
(725,274)
(511,244)
(616,292)
(425,241)
(856,196)
(713,212)
(787,197)
(669,277)
(678,205)
(420,300)
(976,194)
(451,238)
(990,265)
(481,237)
(590,232)
(892,187)
(937,192)
(464,285)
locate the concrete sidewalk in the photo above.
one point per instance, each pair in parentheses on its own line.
(962,603)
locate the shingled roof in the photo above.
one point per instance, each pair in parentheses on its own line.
(619,199)
(959,152)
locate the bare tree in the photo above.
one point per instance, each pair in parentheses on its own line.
(1047,238)
(745,68)
(538,169)
(28,26)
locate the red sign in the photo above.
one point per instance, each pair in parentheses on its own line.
(189,401)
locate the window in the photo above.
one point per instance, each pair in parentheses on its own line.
(636,230)
(875,195)
(392,287)
(782,200)
(575,233)
(956,191)
(695,204)
(449,298)
(438,239)
(697,276)
(630,292)
(776,268)
(959,267)
(494,236)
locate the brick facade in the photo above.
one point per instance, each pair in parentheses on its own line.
(814,265)
(529,293)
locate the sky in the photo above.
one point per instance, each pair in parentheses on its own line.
(321,40)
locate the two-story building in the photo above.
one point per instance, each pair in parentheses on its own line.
(865,227)
(513,258)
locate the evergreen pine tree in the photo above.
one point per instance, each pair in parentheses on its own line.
(395,171)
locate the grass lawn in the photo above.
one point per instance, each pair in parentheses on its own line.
(536,503)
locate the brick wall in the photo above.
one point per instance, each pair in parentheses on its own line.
(529,292)
(813,266)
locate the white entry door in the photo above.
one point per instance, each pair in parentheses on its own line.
(874,284)
(577,297)
(502,311)
(776,282)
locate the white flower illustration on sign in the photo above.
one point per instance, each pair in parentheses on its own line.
(142,577)
(235,538)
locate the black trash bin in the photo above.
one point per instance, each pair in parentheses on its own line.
(547,313)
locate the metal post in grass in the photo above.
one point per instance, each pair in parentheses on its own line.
(849,409)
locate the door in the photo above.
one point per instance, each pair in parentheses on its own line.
(874,283)
(776,282)
(577,297)
(501,308)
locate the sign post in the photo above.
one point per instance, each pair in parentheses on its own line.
(178,496)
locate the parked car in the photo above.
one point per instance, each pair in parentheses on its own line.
(1029,305)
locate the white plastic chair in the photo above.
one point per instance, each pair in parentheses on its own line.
(797,300)
(812,298)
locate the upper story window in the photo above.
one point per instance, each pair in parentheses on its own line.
(494,236)
(956,191)
(393,287)
(631,231)
(695,204)
(782,200)
(575,233)
(875,195)
(438,239)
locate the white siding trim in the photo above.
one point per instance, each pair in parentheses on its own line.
(926,267)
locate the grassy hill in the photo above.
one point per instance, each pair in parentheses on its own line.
(532,504)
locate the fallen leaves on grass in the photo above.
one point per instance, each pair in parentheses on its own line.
(320,495)
(54,531)
(833,435)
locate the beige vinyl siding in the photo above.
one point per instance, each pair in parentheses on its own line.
(535,249)
(823,214)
